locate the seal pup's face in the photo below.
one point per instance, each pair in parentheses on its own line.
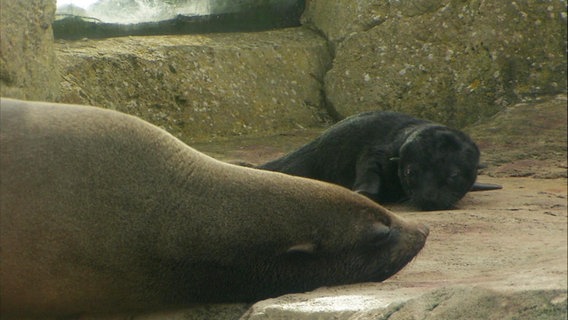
(437,167)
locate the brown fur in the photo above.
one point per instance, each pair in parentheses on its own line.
(103,212)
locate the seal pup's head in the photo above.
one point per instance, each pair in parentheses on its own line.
(437,166)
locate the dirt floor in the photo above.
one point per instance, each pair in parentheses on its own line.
(499,255)
(510,242)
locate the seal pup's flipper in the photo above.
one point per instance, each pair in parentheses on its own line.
(367,178)
(485,187)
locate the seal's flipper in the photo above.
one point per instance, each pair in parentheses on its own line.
(369,188)
(367,178)
(485,187)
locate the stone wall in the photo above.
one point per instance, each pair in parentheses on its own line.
(203,86)
(27,57)
(452,61)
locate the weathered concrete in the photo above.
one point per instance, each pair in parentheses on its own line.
(524,138)
(27,59)
(449,61)
(340,19)
(203,86)
(449,303)
(443,60)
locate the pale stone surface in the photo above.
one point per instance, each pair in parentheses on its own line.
(338,19)
(450,303)
(450,61)
(27,58)
(203,86)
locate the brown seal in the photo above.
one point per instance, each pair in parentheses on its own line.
(103,212)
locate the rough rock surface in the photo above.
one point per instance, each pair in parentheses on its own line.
(203,86)
(337,19)
(449,303)
(477,303)
(505,138)
(27,59)
(501,255)
(450,61)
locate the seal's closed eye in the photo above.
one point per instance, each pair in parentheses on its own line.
(377,235)
(306,248)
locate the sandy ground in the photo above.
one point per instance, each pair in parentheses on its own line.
(511,241)
(499,255)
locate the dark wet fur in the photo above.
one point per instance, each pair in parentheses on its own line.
(365,153)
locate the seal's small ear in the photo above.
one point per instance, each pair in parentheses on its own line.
(394,159)
(307,248)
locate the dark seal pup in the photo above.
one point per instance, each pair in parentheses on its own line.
(390,157)
(102,212)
